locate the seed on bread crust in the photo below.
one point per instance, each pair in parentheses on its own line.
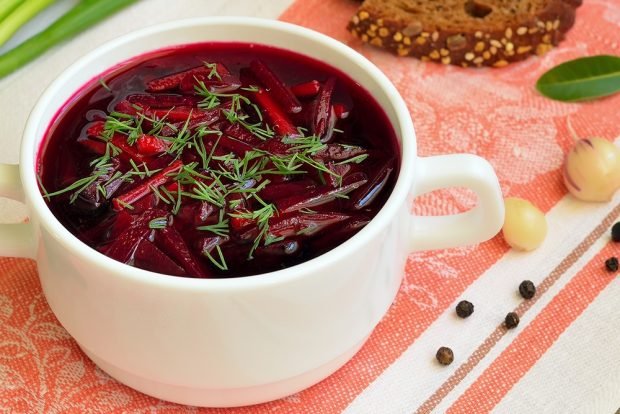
(512,30)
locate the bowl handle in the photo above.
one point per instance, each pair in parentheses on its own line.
(476,225)
(16,240)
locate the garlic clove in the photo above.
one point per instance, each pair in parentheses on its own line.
(592,170)
(525,226)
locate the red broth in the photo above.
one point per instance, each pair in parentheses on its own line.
(218,160)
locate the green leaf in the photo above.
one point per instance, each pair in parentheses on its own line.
(582,79)
(81,17)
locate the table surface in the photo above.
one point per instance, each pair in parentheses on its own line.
(561,358)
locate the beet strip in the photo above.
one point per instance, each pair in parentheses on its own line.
(281,123)
(127,151)
(161,100)
(234,145)
(94,146)
(205,118)
(340,233)
(176,114)
(338,152)
(95,129)
(133,195)
(276,87)
(129,108)
(306,89)
(276,191)
(292,224)
(341,111)
(151,145)
(227,84)
(170,241)
(170,82)
(125,245)
(149,257)
(323,108)
(364,196)
(322,195)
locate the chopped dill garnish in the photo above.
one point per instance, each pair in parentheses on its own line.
(213,73)
(104,85)
(158,223)
(221,264)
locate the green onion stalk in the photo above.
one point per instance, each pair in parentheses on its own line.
(79,18)
(20,15)
(7,7)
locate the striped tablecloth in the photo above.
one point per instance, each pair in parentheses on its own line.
(563,356)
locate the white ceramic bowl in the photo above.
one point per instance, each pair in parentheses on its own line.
(253,339)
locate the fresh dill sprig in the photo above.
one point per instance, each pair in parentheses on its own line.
(213,73)
(221,264)
(251,88)
(220,228)
(212,193)
(159,223)
(124,204)
(271,239)
(353,160)
(104,85)
(181,140)
(261,217)
(78,186)
(211,100)
(119,123)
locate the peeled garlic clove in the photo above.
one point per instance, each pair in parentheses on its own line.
(525,226)
(592,169)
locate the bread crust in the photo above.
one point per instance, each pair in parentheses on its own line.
(475,43)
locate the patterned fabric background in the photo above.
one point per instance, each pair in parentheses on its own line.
(495,113)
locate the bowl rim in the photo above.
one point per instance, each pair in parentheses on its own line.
(402,189)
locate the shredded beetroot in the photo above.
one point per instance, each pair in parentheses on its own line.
(288,225)
(226,84)
(94,146)
(173,81)
(161,100)
(125,245)
(337,152)
(322,195)
(306,89)
(151,145)
(276,87)
(341,111)
(149,257)
(363,197)
(323,109)
(220,160)
(281,123)
(171,242)
(146,186)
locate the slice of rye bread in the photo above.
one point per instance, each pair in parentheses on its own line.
(465,32)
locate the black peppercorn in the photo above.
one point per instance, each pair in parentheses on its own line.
(527,289)
(512,320)
(444,355)
(464,309)
(611,264)
(615,232)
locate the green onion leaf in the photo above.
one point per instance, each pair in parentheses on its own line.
(19,16)
(83,16)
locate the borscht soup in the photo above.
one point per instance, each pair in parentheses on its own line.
(218,160)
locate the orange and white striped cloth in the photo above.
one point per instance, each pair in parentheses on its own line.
(563,356)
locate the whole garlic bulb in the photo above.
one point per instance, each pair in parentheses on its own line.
(592,169)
